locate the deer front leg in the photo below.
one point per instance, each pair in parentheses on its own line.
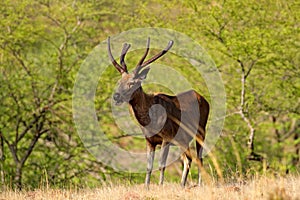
(150,159)
(187,159)
(163,159)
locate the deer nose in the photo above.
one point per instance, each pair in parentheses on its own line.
(116,96)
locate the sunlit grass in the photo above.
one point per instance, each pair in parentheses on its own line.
(256,188)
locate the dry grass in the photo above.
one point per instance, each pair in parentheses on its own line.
(259,188)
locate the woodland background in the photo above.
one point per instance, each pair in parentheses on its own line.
(255,45)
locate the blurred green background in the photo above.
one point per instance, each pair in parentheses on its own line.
(255,45)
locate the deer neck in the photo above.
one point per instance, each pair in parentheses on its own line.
(141,103)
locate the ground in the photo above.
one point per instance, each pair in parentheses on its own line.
(257,188)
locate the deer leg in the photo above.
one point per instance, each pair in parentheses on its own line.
(163,159)
(199,160)
(187,159)
(150,159)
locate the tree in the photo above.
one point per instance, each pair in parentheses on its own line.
(261,76)
(41,46)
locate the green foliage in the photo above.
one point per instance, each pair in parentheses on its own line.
(43,43)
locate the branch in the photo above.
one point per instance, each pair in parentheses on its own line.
(11,148)
(250,68)
(33,83)
(22,63)
(243,82)
(29,126)
(293,128)
(51,96)
(221,29)
(2,157)
(64,44)
(32,145)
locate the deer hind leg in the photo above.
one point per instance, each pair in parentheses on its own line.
(150,159)
(199,159)
(163,159)
(187,160)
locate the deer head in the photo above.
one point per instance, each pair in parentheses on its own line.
(130,82)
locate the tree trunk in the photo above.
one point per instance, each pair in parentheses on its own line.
(18,176)
(296,159)
(2,158)
(244,74)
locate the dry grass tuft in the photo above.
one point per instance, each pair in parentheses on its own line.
(259,188)
(279,193)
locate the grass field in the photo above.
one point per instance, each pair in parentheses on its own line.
(258,188)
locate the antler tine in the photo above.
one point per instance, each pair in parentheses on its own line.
(170,44)
(114,62)
(146,53)
(122,61)
(139,65)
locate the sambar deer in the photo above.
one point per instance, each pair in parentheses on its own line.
(164,119)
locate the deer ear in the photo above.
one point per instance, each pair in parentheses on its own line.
(143,74)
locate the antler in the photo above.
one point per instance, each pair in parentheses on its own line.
(144,56)
(122,61)
(120,68)
(143,64)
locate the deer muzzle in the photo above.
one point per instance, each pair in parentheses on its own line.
(117,98)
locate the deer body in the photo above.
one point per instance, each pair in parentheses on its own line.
(160,115)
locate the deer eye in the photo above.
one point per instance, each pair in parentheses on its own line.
(130,84)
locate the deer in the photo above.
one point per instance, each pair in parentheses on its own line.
(164,119)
